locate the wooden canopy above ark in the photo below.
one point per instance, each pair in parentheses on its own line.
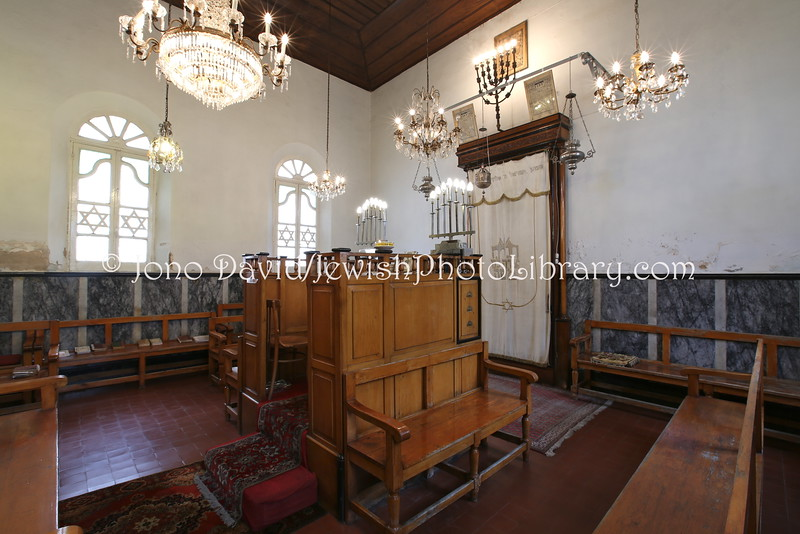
(515,143)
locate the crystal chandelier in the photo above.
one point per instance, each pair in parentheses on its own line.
(205,53)
(164,152)
(426,137)
(328,186)
(617,93)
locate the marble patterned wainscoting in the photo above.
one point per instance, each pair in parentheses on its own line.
(56,296)
(737,303)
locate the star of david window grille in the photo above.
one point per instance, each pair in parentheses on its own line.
(93,219)
(113,195)
(134,222)
(295,210)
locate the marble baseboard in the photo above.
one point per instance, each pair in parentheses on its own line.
(580,301)
(753,305)
(6,300)
(197,327)
(160,296)
(204,294)
(109,296)
(46,298)
(5,343)
(235,289)
(789,363)
(685,303)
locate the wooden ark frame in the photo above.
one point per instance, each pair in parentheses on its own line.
(530,138)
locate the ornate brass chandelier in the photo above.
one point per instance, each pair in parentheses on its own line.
(164,152)
(205,53)
(426,137)
(616,94)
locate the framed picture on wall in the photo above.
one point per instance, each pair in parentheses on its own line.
(520,33)
(464,117)
(540,92)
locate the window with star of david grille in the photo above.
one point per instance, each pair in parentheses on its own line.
(295,209)
(112,194)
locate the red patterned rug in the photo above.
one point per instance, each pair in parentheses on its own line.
(164,503)
(556,414)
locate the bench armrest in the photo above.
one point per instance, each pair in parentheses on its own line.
(394,428)
(529,376)
(52,354)
(693,374)
(577,340)
(47,386)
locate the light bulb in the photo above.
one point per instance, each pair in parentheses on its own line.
(645,56)
(616,67)
(676,58)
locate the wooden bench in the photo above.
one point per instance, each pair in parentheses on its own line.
(662,370)
(704,473)
(58,360)
(30,346)
(406,417)
(28,461)
(224,330)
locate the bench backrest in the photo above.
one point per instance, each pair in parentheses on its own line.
(744,509)
(771,343)
(108,324)
(403,388)
(744,512)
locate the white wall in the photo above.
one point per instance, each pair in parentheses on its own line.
(712,180)
(221,202)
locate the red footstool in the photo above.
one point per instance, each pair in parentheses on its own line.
(279,497)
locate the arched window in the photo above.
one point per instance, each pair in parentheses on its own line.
(295,209)
(112,196)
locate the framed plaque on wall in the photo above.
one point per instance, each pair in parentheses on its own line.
(540,92)
(464,117)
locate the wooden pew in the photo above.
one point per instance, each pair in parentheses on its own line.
(28,460)
(31,346)
(704,473)
(663,370)
(127,351)
(224,330)
(406,417)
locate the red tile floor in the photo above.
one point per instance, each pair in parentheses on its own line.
(118,433)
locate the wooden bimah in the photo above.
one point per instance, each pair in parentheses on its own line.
(391,354)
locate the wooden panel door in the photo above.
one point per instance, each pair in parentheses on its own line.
(421,314)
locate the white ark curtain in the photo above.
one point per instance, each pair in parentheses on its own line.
(513,234)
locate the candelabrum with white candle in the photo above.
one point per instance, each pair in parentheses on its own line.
(371,222)
(496,71)
(451,210)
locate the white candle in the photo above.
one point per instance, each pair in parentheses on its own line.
(284,40)
(267,22)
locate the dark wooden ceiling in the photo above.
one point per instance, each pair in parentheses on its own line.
(370,41)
